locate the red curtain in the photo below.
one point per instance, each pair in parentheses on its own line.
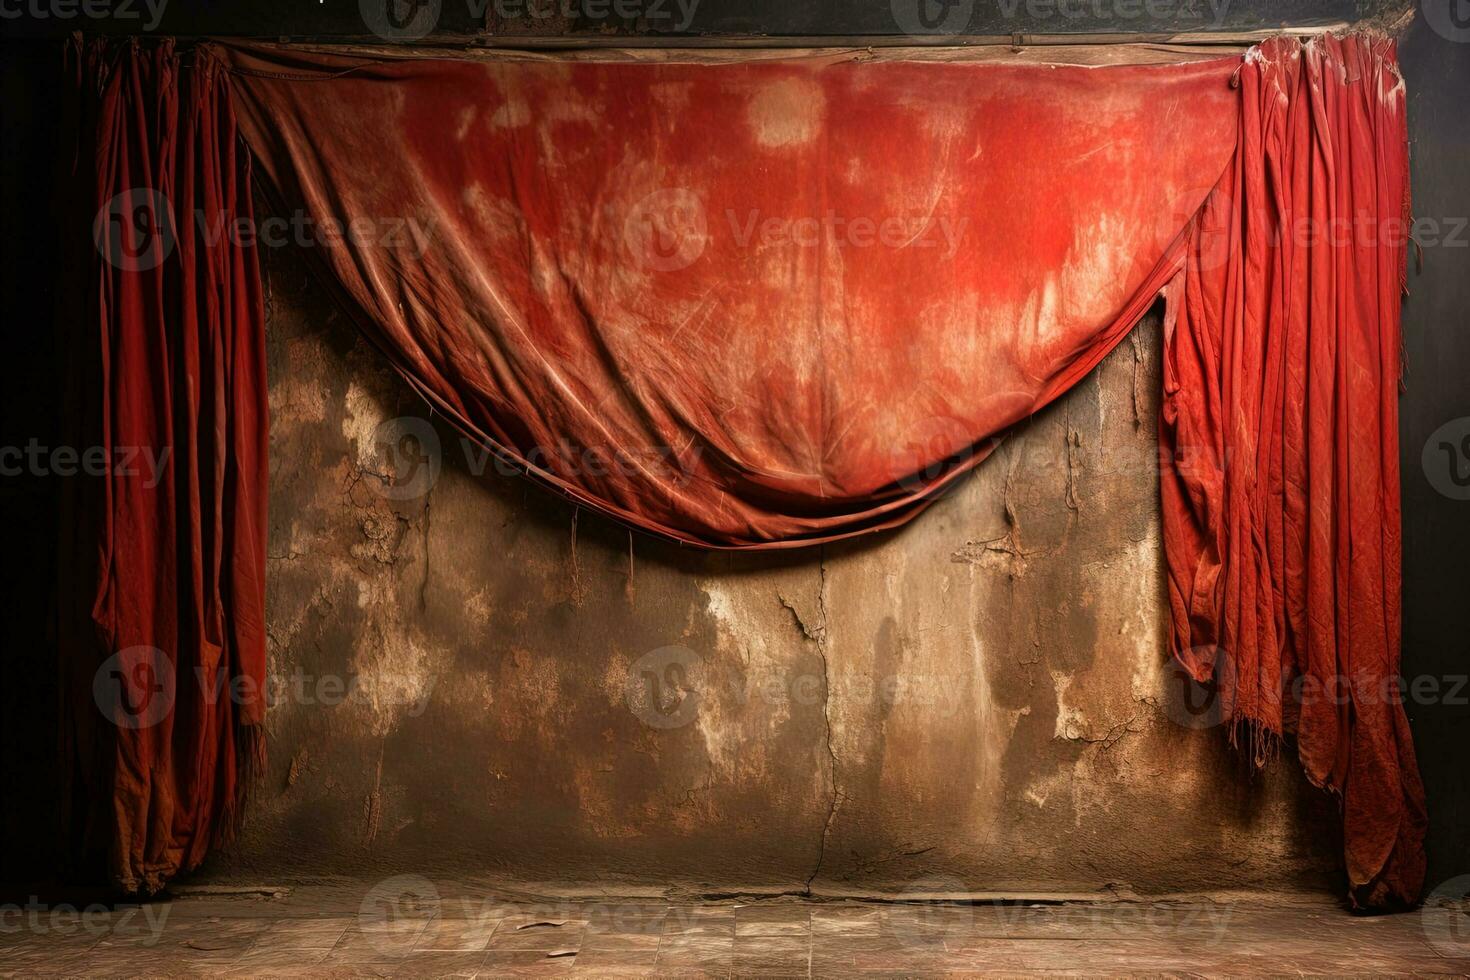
(165,641)
(764,302)
(755,303)
(1281,373)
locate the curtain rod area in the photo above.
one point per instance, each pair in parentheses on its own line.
(551,43)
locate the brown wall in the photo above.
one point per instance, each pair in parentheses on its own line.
(977,703)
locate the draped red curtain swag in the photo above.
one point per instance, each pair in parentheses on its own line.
(771,301)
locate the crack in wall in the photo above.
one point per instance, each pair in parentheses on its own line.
(811,633)
(373,805)
(578,587)
(629,589)
(1137,377)
(821,640)
(1073,442)
(873,864)
(1106,741)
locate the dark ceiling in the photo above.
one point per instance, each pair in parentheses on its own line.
(345,19)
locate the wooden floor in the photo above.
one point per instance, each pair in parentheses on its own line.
(408,927)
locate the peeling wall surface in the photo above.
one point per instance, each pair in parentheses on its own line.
(472,678)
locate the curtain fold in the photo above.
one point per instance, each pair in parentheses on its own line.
(167,669)
(770,302)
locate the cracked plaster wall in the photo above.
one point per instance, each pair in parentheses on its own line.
(978,703)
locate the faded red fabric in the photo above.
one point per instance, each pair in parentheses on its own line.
(598,274)
(773,301)
(169,671)
(1281,371)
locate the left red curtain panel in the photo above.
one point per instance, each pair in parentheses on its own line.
(163,594)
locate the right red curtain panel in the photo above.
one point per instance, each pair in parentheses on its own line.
(1280,412)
